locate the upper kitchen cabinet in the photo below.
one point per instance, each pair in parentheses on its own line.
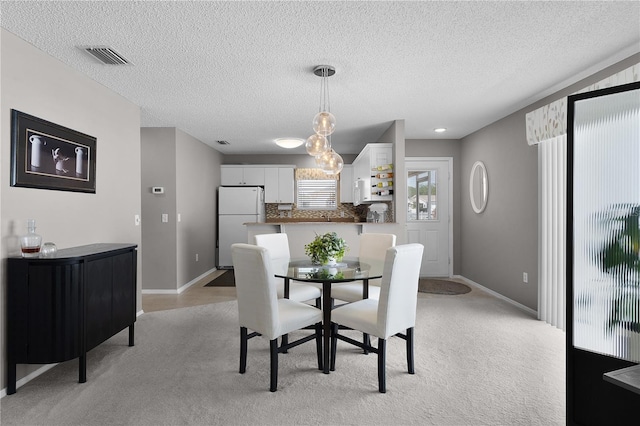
(241,175)
(279,184)
(346,184)
(373,174)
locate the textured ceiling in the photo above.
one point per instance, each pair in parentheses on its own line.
(242,71)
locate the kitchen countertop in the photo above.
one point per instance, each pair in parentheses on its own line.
(336,221)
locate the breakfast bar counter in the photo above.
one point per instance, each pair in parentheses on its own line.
(303,231)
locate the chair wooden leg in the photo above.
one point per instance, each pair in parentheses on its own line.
(410,363)
(243,349)
(319,345)
(366,341)
(273,345)
(285,342)
(334,343)
(382,351)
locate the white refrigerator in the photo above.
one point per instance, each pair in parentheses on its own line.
(237,205)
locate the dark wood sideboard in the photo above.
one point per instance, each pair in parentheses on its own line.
(59,308)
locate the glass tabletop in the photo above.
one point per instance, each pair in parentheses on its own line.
(349,269)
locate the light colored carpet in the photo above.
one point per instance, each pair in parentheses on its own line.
(479,361)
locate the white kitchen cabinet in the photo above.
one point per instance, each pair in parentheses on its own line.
(346,184)
(279,185)
(373,171)
(241,175)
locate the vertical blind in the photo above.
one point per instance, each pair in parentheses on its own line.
(552,205)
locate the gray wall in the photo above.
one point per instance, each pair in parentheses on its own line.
(35,83)
(445,148)
(158,168)
(189,171)
(197,178)
(501,243)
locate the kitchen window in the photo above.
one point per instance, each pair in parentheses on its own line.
(317,194)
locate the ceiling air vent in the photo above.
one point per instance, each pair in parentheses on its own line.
(106,55)
(223,142)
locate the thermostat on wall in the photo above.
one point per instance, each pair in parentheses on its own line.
(157,190)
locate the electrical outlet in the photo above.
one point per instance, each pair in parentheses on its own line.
(196,257)
(525,277)
(136,220)
(165,217)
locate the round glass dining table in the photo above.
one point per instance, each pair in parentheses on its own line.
(347,270)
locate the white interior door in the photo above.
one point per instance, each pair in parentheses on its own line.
(428,210)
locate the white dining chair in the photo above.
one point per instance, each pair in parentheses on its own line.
(373,248)
(260,310)
(393,314)
(278,246)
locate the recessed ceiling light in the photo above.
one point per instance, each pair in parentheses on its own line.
(440,130)
(289,142)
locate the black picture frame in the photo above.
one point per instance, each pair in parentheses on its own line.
(49,156)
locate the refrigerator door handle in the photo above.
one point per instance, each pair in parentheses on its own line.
(258,201)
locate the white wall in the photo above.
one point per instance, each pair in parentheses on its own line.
(34,83)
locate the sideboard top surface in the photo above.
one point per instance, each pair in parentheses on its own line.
(78,252)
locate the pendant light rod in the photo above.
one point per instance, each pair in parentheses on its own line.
(324,71)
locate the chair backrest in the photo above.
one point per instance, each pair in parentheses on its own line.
(256,289)
(373,247)
(399,289)
(278,247)
(277,244)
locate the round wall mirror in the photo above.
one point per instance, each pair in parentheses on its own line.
(478,187)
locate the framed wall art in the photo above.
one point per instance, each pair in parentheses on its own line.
(48,156)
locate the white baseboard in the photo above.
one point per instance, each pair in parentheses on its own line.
(499,296)
(181,289)
(29,377)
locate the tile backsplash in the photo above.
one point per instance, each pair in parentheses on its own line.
(346,210)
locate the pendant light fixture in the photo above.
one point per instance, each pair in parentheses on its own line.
(324,123)
(330,162)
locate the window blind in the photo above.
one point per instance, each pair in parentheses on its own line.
(317,194)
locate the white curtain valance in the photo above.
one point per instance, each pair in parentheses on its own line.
(550,121)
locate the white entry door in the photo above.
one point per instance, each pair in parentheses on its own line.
(428,210)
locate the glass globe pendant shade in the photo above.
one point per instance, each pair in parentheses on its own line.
(324,123)
(330,162)
(320,159)
(316,145)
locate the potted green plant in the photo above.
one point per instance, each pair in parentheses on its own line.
(326,249)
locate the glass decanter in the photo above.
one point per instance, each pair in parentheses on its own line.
(30,242)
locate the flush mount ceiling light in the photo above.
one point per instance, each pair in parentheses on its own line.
(318,145)
(440,130)
(289,142)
